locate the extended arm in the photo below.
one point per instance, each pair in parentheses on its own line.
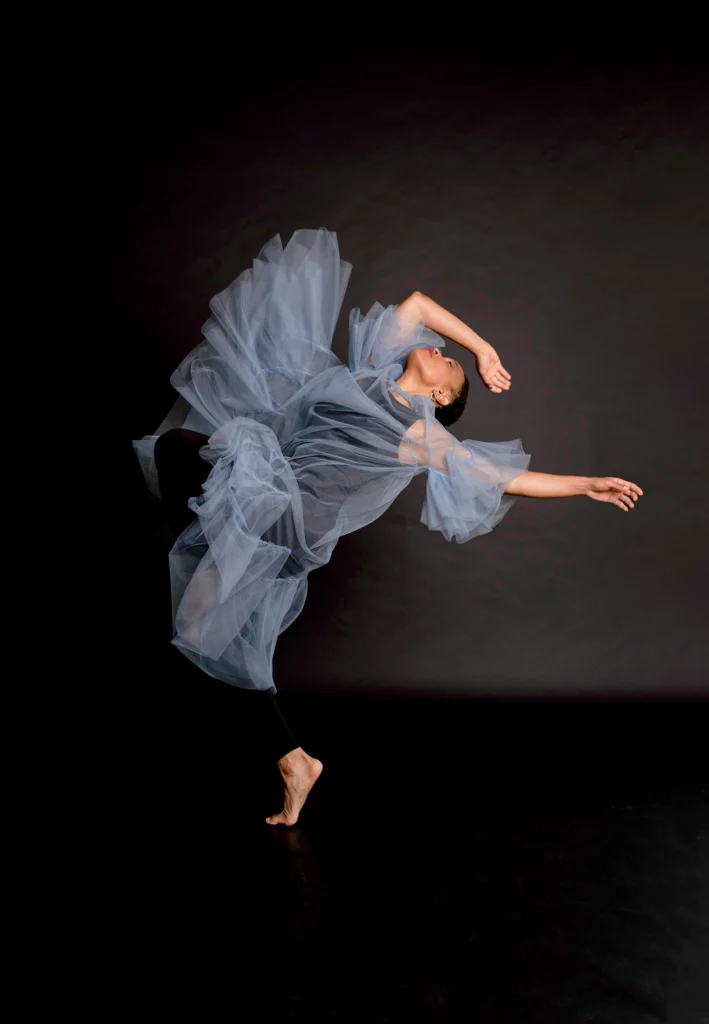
(548,485)
(612,489)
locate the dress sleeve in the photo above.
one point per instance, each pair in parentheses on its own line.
(465,494)
(382,337)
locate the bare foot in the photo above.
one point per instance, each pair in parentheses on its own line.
(300,773)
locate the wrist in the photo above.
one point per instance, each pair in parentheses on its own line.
(584,484)
(475,344)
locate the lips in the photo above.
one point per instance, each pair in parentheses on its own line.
(430,351)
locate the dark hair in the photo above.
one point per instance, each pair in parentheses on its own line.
(448,414)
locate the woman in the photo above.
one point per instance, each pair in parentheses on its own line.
(275,449)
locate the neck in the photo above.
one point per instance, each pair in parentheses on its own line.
(410,383)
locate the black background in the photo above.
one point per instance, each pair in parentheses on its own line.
(466,855)
(560,209)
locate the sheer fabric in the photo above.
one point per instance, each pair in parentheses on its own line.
(303,449)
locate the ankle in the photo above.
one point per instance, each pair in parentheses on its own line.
(293,760)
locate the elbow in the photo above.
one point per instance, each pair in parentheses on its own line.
(412,308)
(417,301)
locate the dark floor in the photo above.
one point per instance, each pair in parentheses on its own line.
(456,861)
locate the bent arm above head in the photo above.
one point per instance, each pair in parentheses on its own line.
(419,308)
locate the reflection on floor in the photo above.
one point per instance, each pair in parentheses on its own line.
(456,861)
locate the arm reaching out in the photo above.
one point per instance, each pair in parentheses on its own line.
(419,308)
(612,489)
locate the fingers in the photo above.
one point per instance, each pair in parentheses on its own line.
(625,500)
(616,491)
(626,493)
(627,484)
(497,382)
(495,376)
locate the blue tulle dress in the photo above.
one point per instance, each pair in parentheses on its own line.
(303,449)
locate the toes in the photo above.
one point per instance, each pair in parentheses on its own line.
(279,819)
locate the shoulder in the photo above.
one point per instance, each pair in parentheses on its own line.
(427,442)
(431,431)
(421,438)
(412,444)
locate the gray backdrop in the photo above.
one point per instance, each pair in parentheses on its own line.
(562,212)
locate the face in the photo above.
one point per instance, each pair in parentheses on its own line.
(437,371)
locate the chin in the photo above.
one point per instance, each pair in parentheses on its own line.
(421,357)
(428,366)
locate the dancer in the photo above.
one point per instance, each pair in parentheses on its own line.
(274,449)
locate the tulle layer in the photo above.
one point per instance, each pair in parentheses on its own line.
(303,449)
(231,594)
(468,498)
(267,517)
(270,331)
(381,338)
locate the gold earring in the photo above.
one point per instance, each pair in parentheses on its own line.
(433,396)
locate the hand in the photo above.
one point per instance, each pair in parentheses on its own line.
(492,372)
(618,492)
